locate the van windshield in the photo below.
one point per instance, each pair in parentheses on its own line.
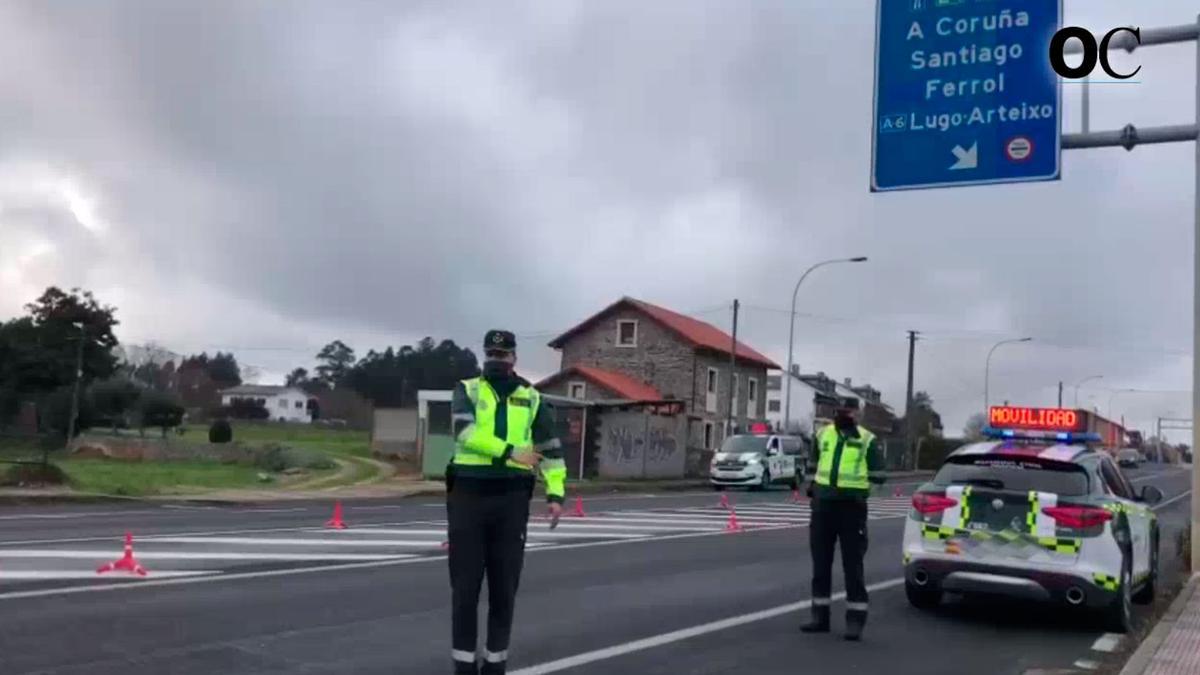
(737,444)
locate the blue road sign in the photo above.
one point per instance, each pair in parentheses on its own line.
(964,93)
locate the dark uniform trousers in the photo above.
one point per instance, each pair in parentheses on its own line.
(487,536)
(834,521)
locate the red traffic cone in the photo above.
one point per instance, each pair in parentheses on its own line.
(446,545)
(724,500)
(127,563)
(733,525)
(898,492)
(336,521)
(579,508)
(796,498)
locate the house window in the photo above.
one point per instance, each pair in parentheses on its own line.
(283,403)
(752,393)
(627,333)
(299,405)
(774,406)
(710,391)
(710,431)
(577,390)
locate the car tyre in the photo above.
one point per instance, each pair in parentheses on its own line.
(764,483)
(922,598)
(1145,594)
(718,488)
(1118,617)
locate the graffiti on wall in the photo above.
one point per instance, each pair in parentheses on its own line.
(622,446)
(636,445)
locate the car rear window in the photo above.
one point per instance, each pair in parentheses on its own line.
(1019,474)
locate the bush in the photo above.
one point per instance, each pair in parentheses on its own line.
(246,409)
(33,474)
(1183,546)
(160,410)
(221,431)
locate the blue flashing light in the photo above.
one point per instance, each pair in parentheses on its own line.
(1068,437)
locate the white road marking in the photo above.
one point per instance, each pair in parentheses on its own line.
(268,541)
(1107,642)
(64,575)
(71,516)
(106,555)
(407,560)
(683,634)
(441,534)
(271,510)
(1170,501)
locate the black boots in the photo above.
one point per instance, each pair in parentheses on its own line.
(819,622)
(465,667)
(856,620)
(493,668)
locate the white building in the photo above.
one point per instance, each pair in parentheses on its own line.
(803,416)
(285,404)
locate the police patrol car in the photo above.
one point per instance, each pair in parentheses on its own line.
(1034,513)
(758,461)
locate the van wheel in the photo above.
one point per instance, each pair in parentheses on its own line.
(764,483)
(1118,617)
(922,598)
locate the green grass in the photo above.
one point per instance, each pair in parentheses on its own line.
(333,441)
(151,478)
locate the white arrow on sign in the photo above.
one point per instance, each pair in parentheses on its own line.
(967,159)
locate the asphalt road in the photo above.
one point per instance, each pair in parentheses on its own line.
(643,584)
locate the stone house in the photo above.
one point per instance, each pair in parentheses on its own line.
(638,352)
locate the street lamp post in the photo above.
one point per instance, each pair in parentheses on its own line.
(987,368)
(787,404)
(1081,382)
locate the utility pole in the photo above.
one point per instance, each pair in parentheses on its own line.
(1130,137)
(1060,393)
(74,395)
(909,429)
(732,370)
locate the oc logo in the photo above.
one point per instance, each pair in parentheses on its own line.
(1091,52)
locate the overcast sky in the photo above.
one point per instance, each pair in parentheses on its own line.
(268,176)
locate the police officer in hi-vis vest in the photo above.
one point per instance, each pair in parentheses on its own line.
(847,462)
(504,433)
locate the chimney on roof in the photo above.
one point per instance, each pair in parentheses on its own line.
(848,382)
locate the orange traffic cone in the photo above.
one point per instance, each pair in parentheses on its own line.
(733,525)
(336,521)
(127,563)
(579,508)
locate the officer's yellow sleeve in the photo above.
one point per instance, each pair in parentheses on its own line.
(554,472)
(481,443)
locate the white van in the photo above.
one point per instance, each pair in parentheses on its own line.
(758,461)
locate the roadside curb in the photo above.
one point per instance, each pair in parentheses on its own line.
(1140,661)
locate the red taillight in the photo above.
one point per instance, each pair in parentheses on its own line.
(1078,517)
(926,503)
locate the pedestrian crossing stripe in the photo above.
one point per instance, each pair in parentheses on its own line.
(217,553)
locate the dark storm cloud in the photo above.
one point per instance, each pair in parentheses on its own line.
(390,170)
